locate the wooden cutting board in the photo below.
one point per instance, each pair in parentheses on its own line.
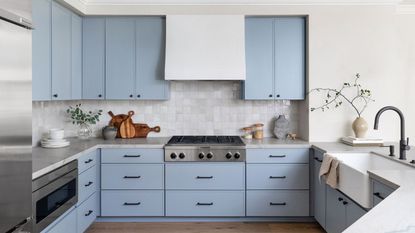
(127,129)
(142,130)
(116,120)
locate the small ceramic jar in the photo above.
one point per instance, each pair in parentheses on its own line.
(259,131)
(247,133)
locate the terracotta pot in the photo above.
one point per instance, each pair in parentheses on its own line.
(360,127)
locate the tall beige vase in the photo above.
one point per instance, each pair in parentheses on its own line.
(360,127)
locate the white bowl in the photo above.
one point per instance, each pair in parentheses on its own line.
(56,133)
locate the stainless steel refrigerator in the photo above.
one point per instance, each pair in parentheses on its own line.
(15,113)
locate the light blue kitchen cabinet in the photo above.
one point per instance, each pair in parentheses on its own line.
(93,58)
(150,56)
(76,56)
(41,50)
(353,213)
(275,58)
(380,191)
(289,58)
(259,83)
(120,58)
(87,212)
(319,190)
(67,223)
(61,52)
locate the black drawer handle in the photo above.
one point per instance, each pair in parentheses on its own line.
(277,156)
(201,203)
(340,199)
(277,203)
(377,194)
(345,203)
(89,213)
(204,177)
(132,156)
(278,177)
(89,184)
(88,161)
(132,203)
(318,160)
(132,177)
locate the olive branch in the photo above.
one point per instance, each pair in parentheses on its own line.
(336,97)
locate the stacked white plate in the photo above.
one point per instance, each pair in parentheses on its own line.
(54,143)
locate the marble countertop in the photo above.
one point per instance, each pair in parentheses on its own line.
(275,143)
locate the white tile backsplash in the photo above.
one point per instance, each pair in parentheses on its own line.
(194,107)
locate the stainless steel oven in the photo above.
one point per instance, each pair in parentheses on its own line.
(53,194)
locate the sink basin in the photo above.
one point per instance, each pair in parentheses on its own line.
(353,177)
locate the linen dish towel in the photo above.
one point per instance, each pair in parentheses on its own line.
(329,169)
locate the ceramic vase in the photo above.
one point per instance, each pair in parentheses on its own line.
(281,127)
(360,127)
(109,132)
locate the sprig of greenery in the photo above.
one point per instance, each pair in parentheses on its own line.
(79,116)
(334,97)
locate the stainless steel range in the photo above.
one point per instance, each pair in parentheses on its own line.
(205,149)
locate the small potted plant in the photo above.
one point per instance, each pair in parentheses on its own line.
(359,99)
(84,119)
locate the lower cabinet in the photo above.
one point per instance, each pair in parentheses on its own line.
(65,224)
(319,190)
(380,192)
(87,212)
(341,212)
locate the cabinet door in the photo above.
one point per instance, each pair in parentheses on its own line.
(76,57)
(61,52)
(259,59)
(150,53)
(319,191)
(289,58)
(93,58)
(41,49)
(353,213)
(120,58)
(335,211)
(65,224)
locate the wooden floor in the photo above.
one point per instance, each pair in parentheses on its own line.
(236,227)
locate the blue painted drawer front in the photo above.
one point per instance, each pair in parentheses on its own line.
(205,203)
(132,155)
(87,183)
(150,56)
(93,58)
(87,212)
(277,156)
(87,160)
(132,176)
(76,56)
(281,203)
(41,50)
(277,176)
(64,224)
(132,203)
(229,176)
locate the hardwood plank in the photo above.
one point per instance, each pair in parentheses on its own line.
(229,227)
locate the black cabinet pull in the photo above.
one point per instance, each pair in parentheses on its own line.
(377,194)
(99,95)
(132,177)
(138,96)
(201,203)
(204,177)
(277,203)
(278,96)
(345,203)
(132,156)
(318,160)
(132,203)
(89,184)
(340,199)
(270,95)
(278,177)
(89,213)
(277,156)
(89,160)
(55,95)
(131,96)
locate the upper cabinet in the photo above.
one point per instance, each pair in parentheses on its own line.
(275,58)
(56,52)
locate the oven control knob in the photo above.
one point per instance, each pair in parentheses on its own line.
(228,155)
(237,155)
(201,155)
(182,155)
(209,155)
(173,155)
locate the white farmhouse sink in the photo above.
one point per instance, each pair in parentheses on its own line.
(353,176)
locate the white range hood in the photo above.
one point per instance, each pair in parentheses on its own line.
(205,47)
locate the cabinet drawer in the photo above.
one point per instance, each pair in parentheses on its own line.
(380,192)
(87,212)
(277,176)
(132,156)
(205,203)
(132,176)
(87,160)
(87,183)
(132,203)
(230,176)
(277,203)
(277,156)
